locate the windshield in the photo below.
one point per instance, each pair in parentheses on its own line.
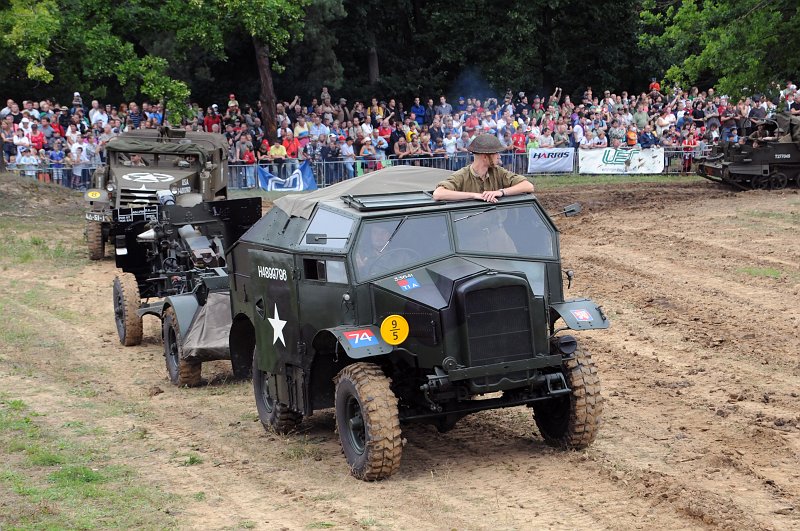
(392,245)
(157,160)
(514,230)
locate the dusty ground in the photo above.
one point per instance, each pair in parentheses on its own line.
(700,370)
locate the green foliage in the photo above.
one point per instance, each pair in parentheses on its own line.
(31,28)
(741,46)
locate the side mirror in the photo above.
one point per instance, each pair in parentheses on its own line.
(572,210)
(316,239)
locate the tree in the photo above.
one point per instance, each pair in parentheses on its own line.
(100,47)
(268,24)
(741,46)
(72,44)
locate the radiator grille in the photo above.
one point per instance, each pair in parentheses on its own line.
(498,325)
(131,198)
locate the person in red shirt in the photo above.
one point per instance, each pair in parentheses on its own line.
(519,139)
(37,138)
(655,86)
(689,145)
(212,117)
(472,122)
(292,146)
(385,130)
(249,160)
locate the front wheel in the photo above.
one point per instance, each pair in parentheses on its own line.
(181,372)
(368,422)
(126,302)
(273,414)
(572,421)
(96,240)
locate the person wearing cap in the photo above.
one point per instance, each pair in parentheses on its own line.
(485,179)
(28,162)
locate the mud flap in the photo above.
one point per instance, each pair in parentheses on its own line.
(207,338)
(581,314)
(360,342)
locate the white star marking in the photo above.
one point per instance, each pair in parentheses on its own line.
(277,327)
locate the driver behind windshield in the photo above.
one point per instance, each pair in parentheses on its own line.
(371,244)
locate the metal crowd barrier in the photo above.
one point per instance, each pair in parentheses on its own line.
(77,177)
(327,172)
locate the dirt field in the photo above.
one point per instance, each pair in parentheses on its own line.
(700,372)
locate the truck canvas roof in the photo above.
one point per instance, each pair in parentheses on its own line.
(392,180)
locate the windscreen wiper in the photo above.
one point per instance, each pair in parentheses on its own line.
(397,228)
(476,213)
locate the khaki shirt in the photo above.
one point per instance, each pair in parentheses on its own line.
(465,180)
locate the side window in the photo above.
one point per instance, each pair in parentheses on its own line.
(324,270)
(328,229)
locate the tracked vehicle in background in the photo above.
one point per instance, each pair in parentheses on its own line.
(767,164)
(371,298)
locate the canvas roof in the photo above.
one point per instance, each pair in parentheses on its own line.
(390,180)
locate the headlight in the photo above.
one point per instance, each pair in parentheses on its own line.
(111,187)
(174,188)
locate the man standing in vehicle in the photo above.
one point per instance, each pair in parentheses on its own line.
(485,178)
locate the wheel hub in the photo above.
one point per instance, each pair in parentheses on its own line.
(119,312)
(355,423)
(269,403)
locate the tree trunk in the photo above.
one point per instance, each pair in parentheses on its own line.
(267,93)
(544,52)
(372,60)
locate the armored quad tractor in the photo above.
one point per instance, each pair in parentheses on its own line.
(374,299)
(771,162)
(142,164)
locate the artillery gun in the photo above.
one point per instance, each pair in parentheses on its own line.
(175,269)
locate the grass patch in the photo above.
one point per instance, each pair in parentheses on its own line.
(192,459)
(549,182)
(320,525)
(302,450)
(21,332)
(55,482)
(792,218)
(19,250)
(768,272)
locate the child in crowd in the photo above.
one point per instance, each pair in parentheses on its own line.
(44,166)
(56,161)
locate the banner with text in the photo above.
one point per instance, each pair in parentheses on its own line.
(551,160)
(612,160)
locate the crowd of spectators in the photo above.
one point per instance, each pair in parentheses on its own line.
(70,139)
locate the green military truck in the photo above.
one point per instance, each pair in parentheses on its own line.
(371,298)
(142,164)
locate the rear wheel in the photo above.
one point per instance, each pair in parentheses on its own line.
(95,240)
(368,422)
(274,415)
(778,180)
(760,182)
(572,421)
(126,302)
(181,372)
